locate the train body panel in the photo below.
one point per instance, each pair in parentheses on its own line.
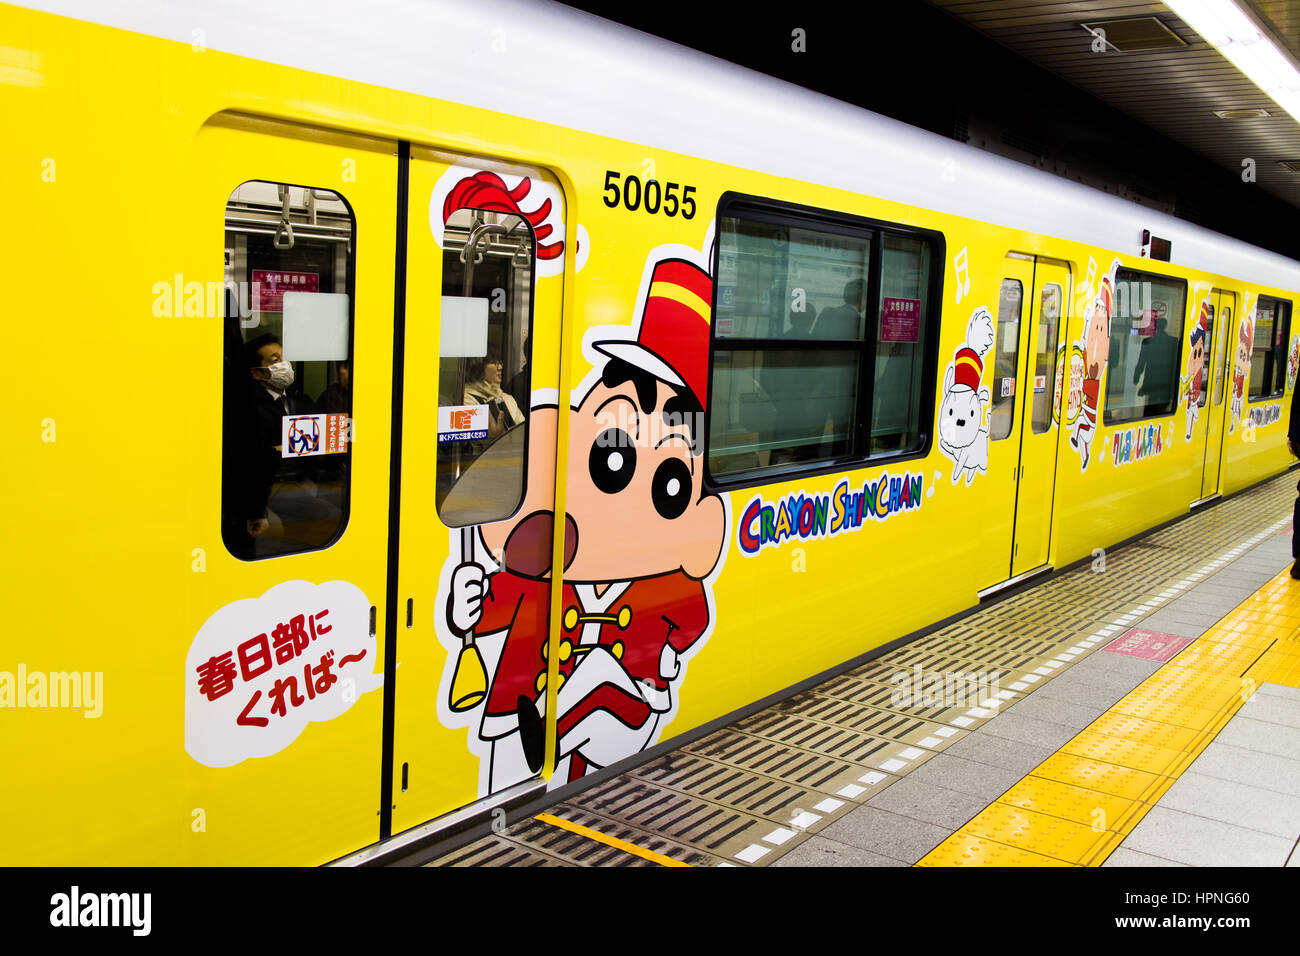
(406,649)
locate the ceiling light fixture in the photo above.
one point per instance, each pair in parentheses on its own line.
(1222,25)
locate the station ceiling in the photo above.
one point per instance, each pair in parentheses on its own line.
(1159,71)
(1020,78)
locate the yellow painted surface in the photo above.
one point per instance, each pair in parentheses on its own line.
(111,515)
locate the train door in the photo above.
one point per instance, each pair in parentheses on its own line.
(482,327)
(283,674)
(1031,313)
(1036,478)
(1224,306)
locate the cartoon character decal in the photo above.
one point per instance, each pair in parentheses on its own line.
(643,543)
(963,436)
(1194,381)
(1095,348)
(1292,363)
(518,193)
(1241,366)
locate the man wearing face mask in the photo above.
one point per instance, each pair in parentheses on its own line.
(267,478)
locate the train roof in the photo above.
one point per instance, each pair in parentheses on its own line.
(558,65)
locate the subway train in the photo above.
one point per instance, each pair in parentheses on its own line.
(399,284)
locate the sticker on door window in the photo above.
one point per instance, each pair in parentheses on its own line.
(302,436)
(260,669)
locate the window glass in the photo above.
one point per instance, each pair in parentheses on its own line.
(801,343)
(785,282)
(793,406)
(1268,354)
(1146,336)
(484,373)
(1006,352)
(287,392)
(1225,325)
(904,291)
(1049,323)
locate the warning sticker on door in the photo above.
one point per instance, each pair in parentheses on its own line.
(462,423)
(304,435)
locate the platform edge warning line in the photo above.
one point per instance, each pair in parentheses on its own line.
(615,842)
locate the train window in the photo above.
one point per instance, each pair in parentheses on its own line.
(1225,326)
(484,369)
(1268,353)
(820,335)
(287,389)
(1146,338)
(904,294)
(1006,352)
(1049,325)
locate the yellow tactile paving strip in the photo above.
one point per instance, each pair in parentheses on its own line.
(1077,806)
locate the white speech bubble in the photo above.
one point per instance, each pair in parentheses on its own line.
(233,704)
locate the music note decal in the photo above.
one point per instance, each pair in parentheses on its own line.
(963,274)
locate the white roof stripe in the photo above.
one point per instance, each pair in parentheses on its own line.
(568,68)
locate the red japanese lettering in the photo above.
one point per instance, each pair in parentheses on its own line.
(325,678)
(251,652)
(282,686)
(217,676)
(290,639)
(244,720)
(317,628)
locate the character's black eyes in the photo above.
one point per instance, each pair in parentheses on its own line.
(612,461)
(671,488)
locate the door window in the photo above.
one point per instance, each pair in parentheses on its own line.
(484,373)
(287,393)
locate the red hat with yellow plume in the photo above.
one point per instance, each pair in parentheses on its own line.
(672,338)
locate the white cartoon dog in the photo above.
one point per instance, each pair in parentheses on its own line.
(962,434)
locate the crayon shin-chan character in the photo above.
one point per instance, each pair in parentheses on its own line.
(1241,370)
(640,538)
(1196,366)
(1096,353)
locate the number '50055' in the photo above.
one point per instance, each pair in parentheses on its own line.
(652,196)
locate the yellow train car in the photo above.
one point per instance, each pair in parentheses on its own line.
(381,298)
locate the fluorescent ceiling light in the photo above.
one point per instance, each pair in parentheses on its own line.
(1222,24)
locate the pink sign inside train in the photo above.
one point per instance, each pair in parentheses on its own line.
(271,287)
(1148,645)
(900,320)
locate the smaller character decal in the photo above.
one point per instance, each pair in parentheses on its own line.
(1241,368)
(1293,363)
(1197,342)
(1095,346)
(963,436)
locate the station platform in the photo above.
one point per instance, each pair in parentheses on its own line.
(1139,710)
